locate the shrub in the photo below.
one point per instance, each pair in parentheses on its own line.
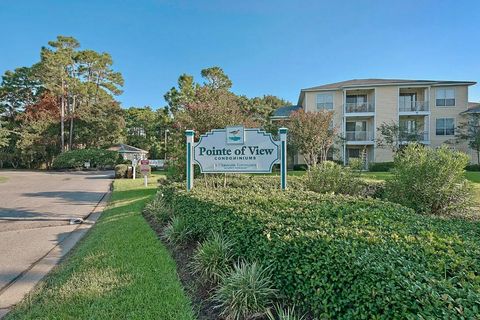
(213,258)
(341,257)
(246,291)
(472,167)
(329,177)
(177,231)
(157,210)
(300,167)
(380,166)
(430,180)
(138,173)
(356,164)
(121,171)
(74,159)
(373,189)
(280,313)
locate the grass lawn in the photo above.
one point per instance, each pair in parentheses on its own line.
(3,179)
(120,270)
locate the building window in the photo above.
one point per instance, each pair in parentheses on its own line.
(407,101)
(408,126)
(358,126)
(445,127)
(358,99)
(324,101)
(353,153)
(445,97)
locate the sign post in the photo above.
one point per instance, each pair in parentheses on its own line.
(189,135)
(145,170)
(134,166)
(283,155)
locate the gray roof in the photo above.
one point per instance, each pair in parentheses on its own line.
(125,148)
(473,107)
(285,111)
(382,82)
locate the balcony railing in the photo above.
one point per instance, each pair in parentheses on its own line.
(413,137)
(359,136)
(414,106)
(352,107)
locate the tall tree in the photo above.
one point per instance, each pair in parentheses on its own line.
(469,131)
(145,128)
(312,134)
(263,107)
(79,78)
(216,79)
(19,88)
(57,73)
(177,99)
(82,84)
(393,136)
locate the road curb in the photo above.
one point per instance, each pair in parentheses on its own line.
(22,285)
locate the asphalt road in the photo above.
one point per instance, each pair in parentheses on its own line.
(35,213)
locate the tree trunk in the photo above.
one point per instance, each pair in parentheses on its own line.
(70,141)
(62,124)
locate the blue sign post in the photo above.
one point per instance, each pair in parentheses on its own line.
(283,156)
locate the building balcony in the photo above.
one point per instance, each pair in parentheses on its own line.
(359,137)
(414,107)
(359,107)
(408,137)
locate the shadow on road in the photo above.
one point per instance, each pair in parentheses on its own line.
(70,196)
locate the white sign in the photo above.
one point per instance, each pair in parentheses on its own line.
(157,163)
(236,149)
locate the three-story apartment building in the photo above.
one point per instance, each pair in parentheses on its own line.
(426,111)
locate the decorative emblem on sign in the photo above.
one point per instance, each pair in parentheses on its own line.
(235,135)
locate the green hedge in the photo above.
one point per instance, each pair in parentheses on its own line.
(380,166)
(98,158)
(341,257)
(473,167)
(121,171)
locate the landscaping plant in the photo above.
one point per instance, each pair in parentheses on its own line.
(380,166)
(340,257)
(430,180)
(280,313)
(98,158)
(213,258)
(245,292)
(121,171)
(329,177)
(177,231)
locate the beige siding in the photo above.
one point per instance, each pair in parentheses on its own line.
(461,104)
(386,107)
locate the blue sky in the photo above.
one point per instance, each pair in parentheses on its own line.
(266,47)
